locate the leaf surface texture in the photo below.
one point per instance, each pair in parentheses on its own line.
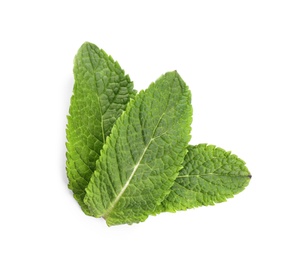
(144,153)
(100,95)
(209,175)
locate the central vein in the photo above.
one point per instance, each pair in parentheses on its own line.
(128,181)
(112,205)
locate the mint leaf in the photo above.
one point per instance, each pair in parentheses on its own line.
(141,169)
(209,175)
(143,154)
(100,95)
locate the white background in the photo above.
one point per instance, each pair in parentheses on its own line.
(234,57)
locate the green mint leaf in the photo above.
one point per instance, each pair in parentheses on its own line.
(209,175)
(100,95)
(144,153)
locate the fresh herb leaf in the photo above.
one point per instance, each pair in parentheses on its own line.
(100,95)
(139,171)
(209,175)
(144,153)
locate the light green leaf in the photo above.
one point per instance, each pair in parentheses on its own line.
(209,175)
(143,154)
(100,95)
